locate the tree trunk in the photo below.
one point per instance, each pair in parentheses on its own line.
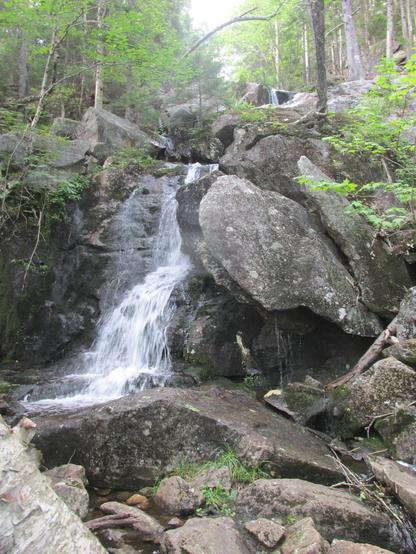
(22,84)
(390,29)
(129,111)
(410,25)
(43,88)
(355,66)
(277,53)
(99,84)
(306,64)
(317,11)
(364,9)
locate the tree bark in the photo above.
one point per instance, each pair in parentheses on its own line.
(317,11)
(277,54)
(368,358)
(390,29)
(355,66)
(99,84)
(43,88)
(306,64)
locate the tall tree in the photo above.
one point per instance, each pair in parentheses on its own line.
(317,11)
(390,28)
(355,66)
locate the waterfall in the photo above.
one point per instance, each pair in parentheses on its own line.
(131,351)
(273,99)
(279,97)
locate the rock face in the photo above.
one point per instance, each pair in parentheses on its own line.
(373,393)
(29,506)
(336,514)
(106,133)
(266,243)
(117,445)
(109,226)
(399,479)
(207,535)
(368,258)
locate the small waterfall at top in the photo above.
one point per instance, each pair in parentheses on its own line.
(273,99)
(131,351)
(278,97)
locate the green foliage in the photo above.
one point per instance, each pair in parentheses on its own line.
(376,129)
(129,155)
(219,500)
(240,473)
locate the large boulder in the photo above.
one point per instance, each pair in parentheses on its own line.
(336,514)
(64,127)
(33,518)
(223,127)
(267,244)
(134,440)
(348,547)
(367,256)
(106,133)
(386,386)
(302,537)
(207,535)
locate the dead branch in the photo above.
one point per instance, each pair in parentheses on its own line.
(114,520)
(239,19)
(368,358)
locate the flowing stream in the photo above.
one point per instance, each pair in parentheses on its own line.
(131,351)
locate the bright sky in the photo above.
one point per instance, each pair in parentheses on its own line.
(207,14)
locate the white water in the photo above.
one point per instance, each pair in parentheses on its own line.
(273,97)
(131,351)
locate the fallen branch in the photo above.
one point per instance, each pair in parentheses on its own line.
(383,416)
(239,19)
(115,520)
(368,358)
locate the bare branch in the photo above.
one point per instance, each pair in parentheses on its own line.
(239,19)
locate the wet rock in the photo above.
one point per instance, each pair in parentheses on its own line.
(256,94)
(132,441)
(303,538)
(262,239)
(207,535)
(138,500)
(177,497)
(146,526)
(106,133)
(384,387)
(23,490)
(401,480)
(347,547)
(214,477)
(266,532)
(404,351)
(399,432)
(406,318)
(337,514)
(368,257)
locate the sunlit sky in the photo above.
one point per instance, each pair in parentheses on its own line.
(207,14)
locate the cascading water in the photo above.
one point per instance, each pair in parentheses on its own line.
(131,351)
